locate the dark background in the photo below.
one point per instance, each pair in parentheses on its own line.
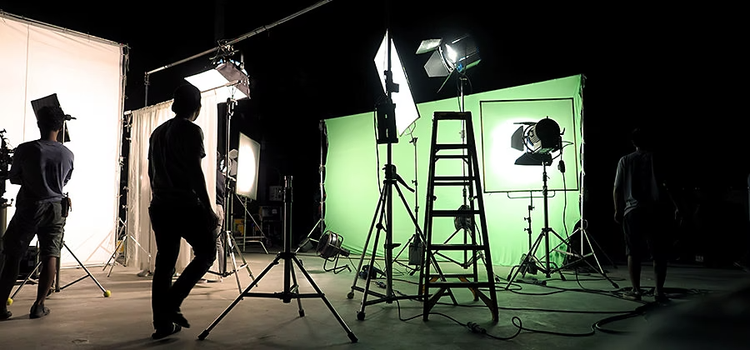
(671,68)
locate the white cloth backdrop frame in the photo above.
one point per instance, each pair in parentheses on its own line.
(145,120)
(86,72)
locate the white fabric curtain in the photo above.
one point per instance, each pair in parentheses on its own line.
(145,120)
(86,73)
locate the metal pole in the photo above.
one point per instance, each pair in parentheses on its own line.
(236,40)
(390,175)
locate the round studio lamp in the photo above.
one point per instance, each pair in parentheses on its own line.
(544,136)
(329,245)
(464,221)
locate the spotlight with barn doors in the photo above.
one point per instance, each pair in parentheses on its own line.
(449,56)
(538,140)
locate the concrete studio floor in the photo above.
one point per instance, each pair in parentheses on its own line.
(560,315)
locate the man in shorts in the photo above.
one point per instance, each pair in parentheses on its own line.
(640,196)
(42,168)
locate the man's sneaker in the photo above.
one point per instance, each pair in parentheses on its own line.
(38,311)
(661,298)
(163,333)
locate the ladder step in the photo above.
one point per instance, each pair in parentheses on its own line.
(454,178)
(458,284)
(434,247)
(454,213)
(449,146)
(452,156)
(451,275)
(452,115)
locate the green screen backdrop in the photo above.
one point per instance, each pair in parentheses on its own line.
(354,170)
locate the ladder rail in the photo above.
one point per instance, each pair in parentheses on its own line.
(475,245)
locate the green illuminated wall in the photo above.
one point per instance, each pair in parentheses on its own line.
(354,169)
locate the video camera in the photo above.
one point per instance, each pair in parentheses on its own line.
(6,158)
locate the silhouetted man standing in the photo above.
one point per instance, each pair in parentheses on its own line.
(42,168)
(180,208)
(639,196)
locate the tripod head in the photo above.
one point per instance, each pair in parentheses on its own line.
(392,176)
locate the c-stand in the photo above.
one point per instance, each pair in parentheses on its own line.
(530,257)
(387,134)
(415,244)
(225,238)
(290,291)
(527,264)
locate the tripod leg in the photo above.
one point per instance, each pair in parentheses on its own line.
(343,324)
(601,271)
(350,295)
(112,258)
(234,303)
(589,239)
(38,265)
(232,247)
(531,253)
(242,256)
(296,290)
(366,290)
(309,234)
(106,293)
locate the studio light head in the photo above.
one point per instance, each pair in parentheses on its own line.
(448,56)
(329,245)
(224,73)
(538,140)
(247,167)
(396,118)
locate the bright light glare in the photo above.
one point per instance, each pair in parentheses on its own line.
(212,79)
(452,55)
(248,162)
(406,109)
(428,45)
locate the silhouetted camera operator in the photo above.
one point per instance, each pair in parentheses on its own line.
(42,168)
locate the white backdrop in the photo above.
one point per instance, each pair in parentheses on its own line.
(145,120)
(86,72)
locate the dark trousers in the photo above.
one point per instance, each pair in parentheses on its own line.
(44,220)
(646,232)
(170,223)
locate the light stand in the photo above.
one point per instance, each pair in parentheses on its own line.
(122,236)
(262,236)
(456,56)
(290,291)
(583,224)
(544,235)
(415,244)
(320,224)
(226,238)
(528,263)
(387,134)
